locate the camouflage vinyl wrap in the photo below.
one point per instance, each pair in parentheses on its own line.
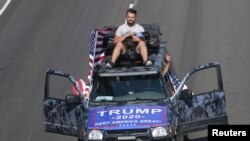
(62,118)
(202,106)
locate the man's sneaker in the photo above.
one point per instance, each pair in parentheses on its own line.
(148,63)
(110,65)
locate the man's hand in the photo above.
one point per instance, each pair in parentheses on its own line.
(168,57)
(123,37)
(135,38)
(128,34)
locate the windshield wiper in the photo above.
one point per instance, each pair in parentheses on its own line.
(124,101)
(121,101)
(148,99)
(112,101)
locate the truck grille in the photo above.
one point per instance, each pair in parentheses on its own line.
(139,134)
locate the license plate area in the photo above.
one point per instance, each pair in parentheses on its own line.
(122,138)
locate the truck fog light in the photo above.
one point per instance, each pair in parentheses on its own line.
(95,135)
(159,132)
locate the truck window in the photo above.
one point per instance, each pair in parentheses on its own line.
(129,87)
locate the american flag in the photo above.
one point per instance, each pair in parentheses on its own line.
(96,56)
(96,50)
(174,80)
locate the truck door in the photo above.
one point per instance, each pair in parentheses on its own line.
(203,103)
(63,111)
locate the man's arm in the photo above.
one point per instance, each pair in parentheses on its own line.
(167,66)
(118,39)
(136,39)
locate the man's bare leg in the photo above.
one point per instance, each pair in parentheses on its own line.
(141,48)
(119,49)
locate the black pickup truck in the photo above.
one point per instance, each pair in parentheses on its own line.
(130,101)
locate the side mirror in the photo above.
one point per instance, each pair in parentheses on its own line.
(186,94)
(73,99)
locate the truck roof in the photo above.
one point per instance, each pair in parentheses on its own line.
(128,71)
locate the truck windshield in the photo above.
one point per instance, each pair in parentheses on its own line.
(127,88)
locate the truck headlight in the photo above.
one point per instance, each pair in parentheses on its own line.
(159,132)
(95,135)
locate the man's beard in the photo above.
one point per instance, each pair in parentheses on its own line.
(131,24)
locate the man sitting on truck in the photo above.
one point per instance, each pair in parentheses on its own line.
(132,30)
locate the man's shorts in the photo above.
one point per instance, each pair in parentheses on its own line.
(131,54)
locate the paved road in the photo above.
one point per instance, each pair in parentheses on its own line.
(2,3)
(39,34)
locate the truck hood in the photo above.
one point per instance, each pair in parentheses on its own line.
(127,117)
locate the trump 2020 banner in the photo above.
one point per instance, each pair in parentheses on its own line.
(127,117)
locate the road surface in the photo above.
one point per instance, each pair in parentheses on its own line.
(39,34)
